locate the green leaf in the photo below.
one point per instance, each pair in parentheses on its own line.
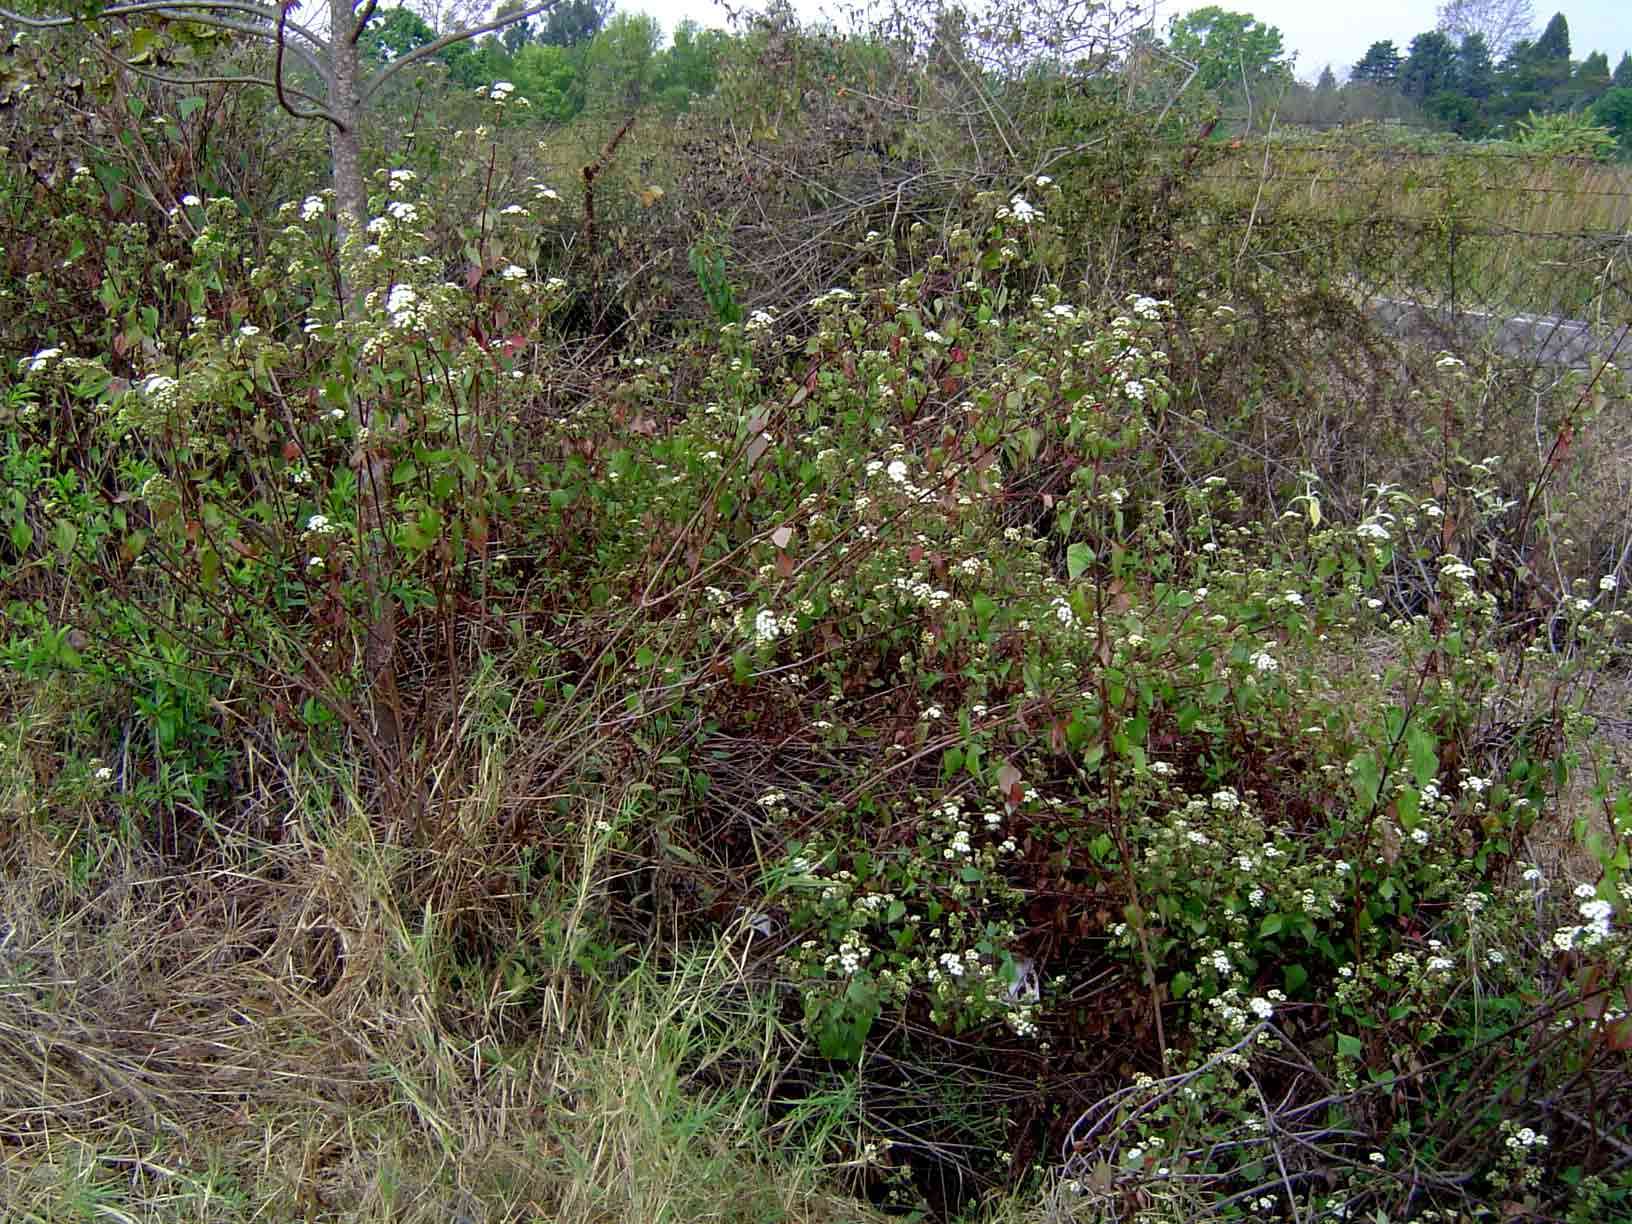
(1271,926)
(1408,803)
(1181,985)
(1349,1047)
(1296,976)
(189,106)
(1367,778)
(1424,758)
(1077,559)
(141,43)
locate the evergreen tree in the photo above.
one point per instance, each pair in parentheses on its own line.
(1591,80)
(1380,65)
(1535,77)
(1429,67)
(1475,71)
(1554,43)
(1623,72)
(1328,81)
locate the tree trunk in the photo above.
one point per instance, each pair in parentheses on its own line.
(345,142)
(372,465)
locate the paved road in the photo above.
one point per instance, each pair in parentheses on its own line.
(1542,339)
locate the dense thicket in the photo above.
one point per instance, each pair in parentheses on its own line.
(827,620)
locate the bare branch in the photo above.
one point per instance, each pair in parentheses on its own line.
(277,77)
(362,20)
(179,10)
(265,82)
(447,40)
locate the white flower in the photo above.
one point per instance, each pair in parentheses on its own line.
(1372,529)
(765,627)
(934,337)
(1022,210)
(190,201)
(1455,567)
(1448,362)
(1263,661)
(1043,180)
(402,305)
(513,272)
(897,471)
(1063,612)
(1608,582)
(104,774)
(249,329)
(311,208)
(41,359)
(1063,311)
(1294,598)
(403,211)
(1378,1158)
(1135,390)
(1262,1008)
(1597,913)
(400,178)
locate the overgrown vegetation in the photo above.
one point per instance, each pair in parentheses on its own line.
(869,648)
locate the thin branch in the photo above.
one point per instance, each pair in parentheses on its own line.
(318,67)
(362,20)
(178,10)
(277,77)
(447,40)
(264,82)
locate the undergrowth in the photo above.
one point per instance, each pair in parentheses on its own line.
(972,739)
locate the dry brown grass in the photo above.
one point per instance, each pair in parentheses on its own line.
(286,1033)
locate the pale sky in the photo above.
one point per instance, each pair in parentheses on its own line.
(1337,33)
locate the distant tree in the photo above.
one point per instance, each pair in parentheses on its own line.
(572,23)
(1622,78)
(1229,48)
(1535,76)
(1501,23)
(1475,70)
(446,16)
(1591,80)
(549,77)
(1327,82)
(1380,65)
(520,33)
(690,66)
(1614,111)
(1554,43)
(394,32)
(621,62)
(1429,67)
